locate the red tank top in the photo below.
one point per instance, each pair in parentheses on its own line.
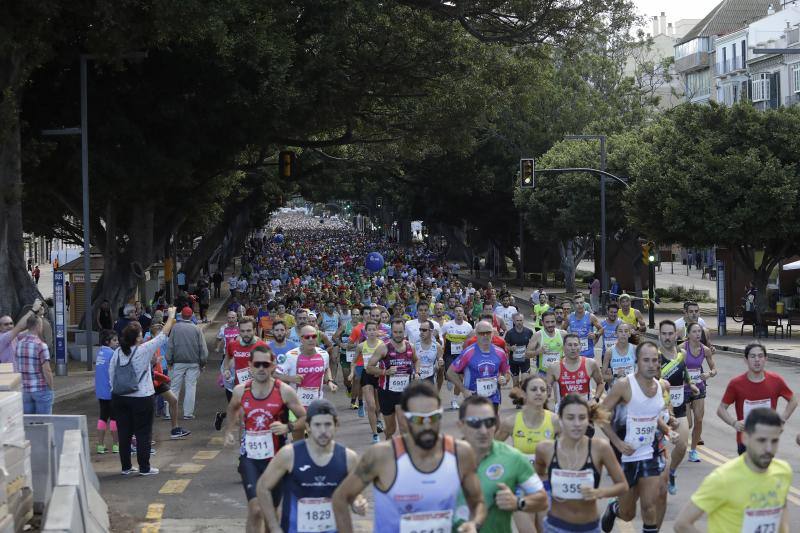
(241,357)
(260,413)
(403,361)
(577,381)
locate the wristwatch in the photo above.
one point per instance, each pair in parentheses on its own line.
(521,503)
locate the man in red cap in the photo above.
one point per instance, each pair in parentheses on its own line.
(187,353)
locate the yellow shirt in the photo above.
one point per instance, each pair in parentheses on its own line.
(525,439)
(630,318)
(733,488)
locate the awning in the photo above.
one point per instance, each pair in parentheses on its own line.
(792,266)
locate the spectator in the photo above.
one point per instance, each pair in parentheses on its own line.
(204,301)
(134,410)
(216,278)
(128,316)
(187,353)
(33,362)
(615,290)
(36,274)
(9,332)
(102,389)
(594,294)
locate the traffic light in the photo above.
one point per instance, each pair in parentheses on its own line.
(648,253)
(526,169)
(287,165)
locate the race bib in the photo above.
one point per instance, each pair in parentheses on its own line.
(694,374)
(486,386)
(641,431)
(243,374)
(761,520)
(399,382)
(259,444)
(427,522)
(455,348)
(749,405)
(315,514)
(676,395)
(350,355)
(584,344)
(426,371)
(566,484)
(551,358)
(307,395)
(609,342)
(623,371)
(519,353)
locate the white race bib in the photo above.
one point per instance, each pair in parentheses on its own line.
(455,348)
(609,342)
(584,344)
(623,371)
(749,405)
(519,353)
(243,374)
(761,520)
(259,444)
(350,355)
(640,431)
(694,374)
(315,514)
(566,484)
(399,382)
(307,395)
(427,522)
(426,371)
(676,395)
(486,386)
(551,358)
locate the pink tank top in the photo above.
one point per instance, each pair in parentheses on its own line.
(312,369)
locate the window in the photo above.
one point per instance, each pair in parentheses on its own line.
(744,51)
(796,77)
(692,47)
(761,87)
(698,83)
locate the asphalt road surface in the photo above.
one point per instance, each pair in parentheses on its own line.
(199,489)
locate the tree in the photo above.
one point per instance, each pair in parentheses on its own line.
(716,175)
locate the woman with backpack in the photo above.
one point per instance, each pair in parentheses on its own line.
(132,393)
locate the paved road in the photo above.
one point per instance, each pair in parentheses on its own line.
(199,490)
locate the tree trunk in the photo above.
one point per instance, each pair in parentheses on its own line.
(17,289)
(235,220)
(566,250)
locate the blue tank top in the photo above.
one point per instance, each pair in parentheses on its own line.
(609,333)
(582,328)
(308,489)
(330,323)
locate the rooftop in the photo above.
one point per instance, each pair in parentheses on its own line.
(729,15)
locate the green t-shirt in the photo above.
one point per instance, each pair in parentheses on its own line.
(506,465)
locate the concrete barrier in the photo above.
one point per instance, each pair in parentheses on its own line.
(45,463)
(74,470)
(63,512)
(62,423)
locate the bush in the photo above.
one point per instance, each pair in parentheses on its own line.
(676,293)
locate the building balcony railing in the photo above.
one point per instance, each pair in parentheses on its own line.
(696,61)
(733,64)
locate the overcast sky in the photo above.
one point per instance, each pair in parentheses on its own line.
(676,9)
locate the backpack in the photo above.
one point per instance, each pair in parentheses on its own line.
(125,379)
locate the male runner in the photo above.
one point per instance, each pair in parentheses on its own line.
(755,388)
(428,352)
(691,315)
(302,318)
(517,339)
(542,305)
(331,324)
(280,344)
(228,332)
(236,365)
(307,368)
(417,475)
(412,326)
(638,403)
(262,401)
(631,316)
(747,493)
(547,344)
(583,325)
(508,482)
(574,372)
(609,325)
(308,472)
(454,333)
(395,364)
(484,367)
(505,312)
(359,333)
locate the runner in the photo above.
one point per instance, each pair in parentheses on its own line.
(505,313)
(748,493)
(395,364)
(502,470)
(574,373)
(484,365)
(416,476)
(331,324)
(518,338)
(347,355)
(368,383)
(454,333)
(547,344)
(236,365)
(583,325)
(637,402)
(527,429)
(755,388)
(279,344)
(302,318)
(542,305)
(412,326)
(308,472)
(696,353)
(307,368)
(620,358)
(227,333)
(691,315)
(428,352)
(262,402)
(631,316)
(610,325)
(673,369)
(574,463)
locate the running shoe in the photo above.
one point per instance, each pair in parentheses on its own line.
(693,456)
(361,411)
(379,425)
(102,450)
(609,516)
(218,418)
(179,433)
(453,405)
(353,405)
(518,406)
(115,448)
(375,438)
(131,470)
(701,443)
(152,472)
(671,488)
(188,417)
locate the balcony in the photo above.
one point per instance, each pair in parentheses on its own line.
(696,61)
(793,36)
(734,64)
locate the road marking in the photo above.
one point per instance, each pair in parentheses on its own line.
(216,441)
(174,486)
(155,511)
(205,455)
(189,468)
(715,453)
(151,528)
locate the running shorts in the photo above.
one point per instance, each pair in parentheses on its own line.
(388,400)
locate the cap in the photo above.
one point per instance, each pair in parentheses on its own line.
(186,312)
(320,407)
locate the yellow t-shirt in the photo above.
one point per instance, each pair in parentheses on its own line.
(526,438)
(733,488)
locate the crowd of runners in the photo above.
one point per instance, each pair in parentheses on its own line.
(408,340)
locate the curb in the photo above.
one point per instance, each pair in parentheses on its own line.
(733,349)
(73,391)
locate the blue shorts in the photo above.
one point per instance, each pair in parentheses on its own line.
(556,525)
(636,470)
(359,370)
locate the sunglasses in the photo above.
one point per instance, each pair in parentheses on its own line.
(309,337)
(475,422)
(418,419)
(262,364)
(484,333)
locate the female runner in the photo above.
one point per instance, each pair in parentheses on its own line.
(696,353)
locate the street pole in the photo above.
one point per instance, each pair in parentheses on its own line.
(651,293)
(521,255)
(87,274)
(603,271)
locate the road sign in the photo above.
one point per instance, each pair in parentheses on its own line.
(721,327)
(59,302)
